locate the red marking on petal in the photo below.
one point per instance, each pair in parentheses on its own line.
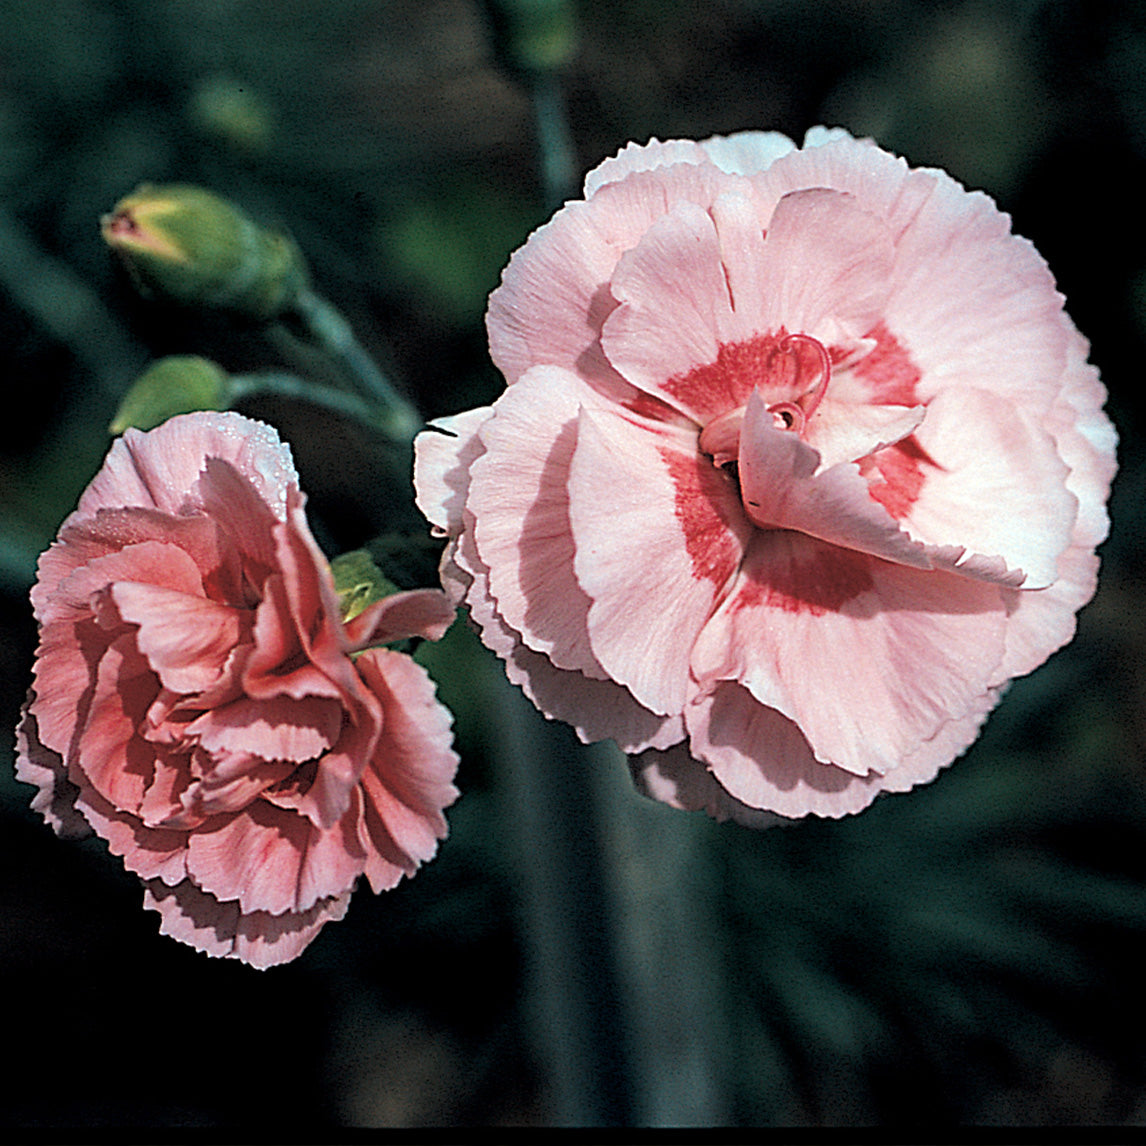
(895,475)
(889,370)
(782,365)
(703,494)
(725,384)
(652,408)
(799,574)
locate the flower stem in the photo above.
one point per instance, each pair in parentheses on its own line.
(281,385)
(554,141)
(330,330)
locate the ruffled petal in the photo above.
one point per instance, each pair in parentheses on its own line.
(159,469)
(271,859)
(415,613)
(677,778)
(640,497)
(443,455)
(409,779)
(519,496)
(993,483)
(221,930)
(281,728)
(922,647)
(186,639)
(596,709)
(39,765)
(783,487)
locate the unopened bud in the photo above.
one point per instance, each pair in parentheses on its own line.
(175,385)
(186,244)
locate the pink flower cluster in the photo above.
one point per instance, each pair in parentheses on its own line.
(199,702)
(800,461)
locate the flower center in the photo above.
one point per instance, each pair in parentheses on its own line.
(787,366)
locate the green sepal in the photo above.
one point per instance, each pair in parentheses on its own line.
(178,384)
(358,583)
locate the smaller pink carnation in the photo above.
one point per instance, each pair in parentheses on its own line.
(199,702)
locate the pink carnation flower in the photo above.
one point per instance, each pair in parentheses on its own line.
(197,704)
(799,463)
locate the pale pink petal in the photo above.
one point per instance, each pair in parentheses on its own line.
(784,488)
(969,300)
(640,493)
(744,153)
(675,308)
(1041,622)
(186,639)
(442,458)
(762,759)
(747,152)
(221,930)
(1087,442)
(597,709)
(740,224)
(519,494)
(637,157)
(847,431)
(680,780)
(415,613)
(921,646)
(811,282)
(987,453)
(554,294)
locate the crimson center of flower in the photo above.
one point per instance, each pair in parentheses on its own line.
(785,366)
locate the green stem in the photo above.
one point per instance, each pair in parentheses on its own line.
(554,141)
(333,334)
(281,385)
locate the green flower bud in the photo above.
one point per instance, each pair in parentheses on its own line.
(175,385)
(358,583)
(189,245)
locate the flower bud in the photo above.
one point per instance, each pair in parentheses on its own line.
(178,384)
(188,245)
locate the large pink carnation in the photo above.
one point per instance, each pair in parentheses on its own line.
(799,463)
(196,702)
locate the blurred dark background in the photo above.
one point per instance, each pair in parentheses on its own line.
(969,953)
